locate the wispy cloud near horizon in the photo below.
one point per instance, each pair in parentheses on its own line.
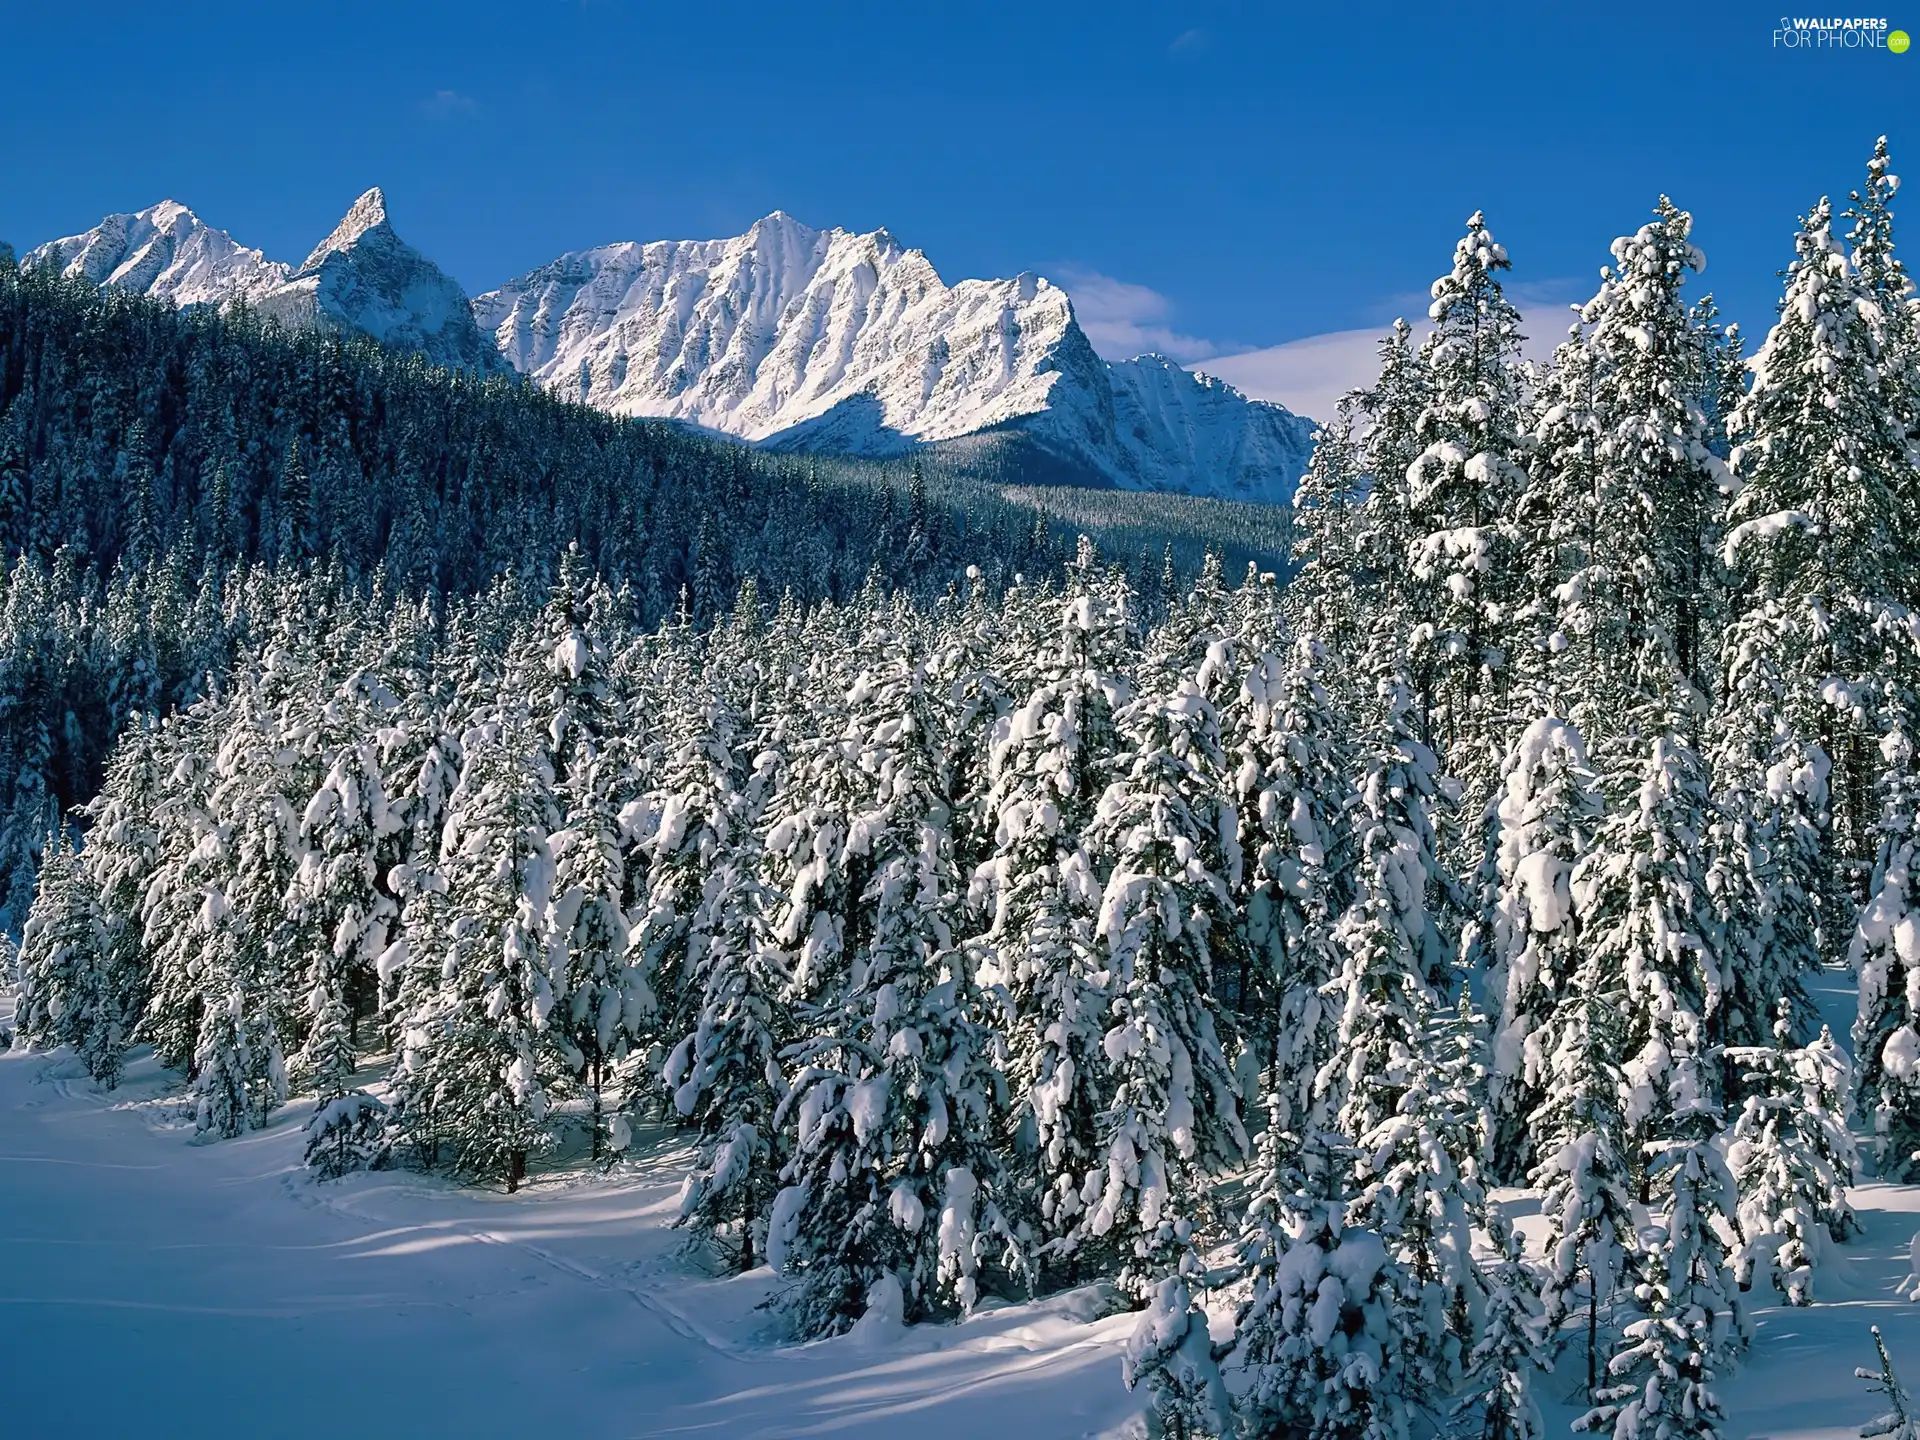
(1308,375)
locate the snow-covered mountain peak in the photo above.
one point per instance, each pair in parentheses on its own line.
(168,252)
(367,213)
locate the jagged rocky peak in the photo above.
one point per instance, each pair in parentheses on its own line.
(369,212)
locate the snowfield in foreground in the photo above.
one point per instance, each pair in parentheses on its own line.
(154,1286)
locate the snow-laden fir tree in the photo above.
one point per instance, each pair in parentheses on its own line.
(1548,812)
(1391,946)
(343,918)
(240,1053)
(121,856)
(726,1076)
(60,952)
(1170,1355)
(694,805)
(1688,1325)
(1883,276)
(176,908)
(892,1095)
(606,1001)
(1792,1158)
(1592,1239)
(1295,801)
(1040,897)
(1461,489)
(1421,1196)
(1823,459)
(1626,465)
(1885,957)
(1511,1347)
(1641,898)
(1172,1117)
(480,1059)
(1769,872)
(1321,597)
(1320,1341)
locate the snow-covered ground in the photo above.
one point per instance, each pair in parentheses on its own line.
(153,1286)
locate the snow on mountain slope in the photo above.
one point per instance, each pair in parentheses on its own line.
(823,340)
(773,329)
(363,277)
(1194,432)
(168,252)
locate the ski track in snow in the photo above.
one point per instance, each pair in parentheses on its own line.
(218,1288)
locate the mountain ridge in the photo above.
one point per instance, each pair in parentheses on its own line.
(786,336)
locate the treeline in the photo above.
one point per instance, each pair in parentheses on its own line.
(1235,943)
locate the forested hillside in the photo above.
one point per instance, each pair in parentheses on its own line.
(158,467)
(1213,939)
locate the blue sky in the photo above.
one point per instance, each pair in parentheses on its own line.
(1207,178)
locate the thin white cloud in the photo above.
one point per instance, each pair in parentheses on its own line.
(1189,42)
(1123,319)
(444,105)
(1309,375)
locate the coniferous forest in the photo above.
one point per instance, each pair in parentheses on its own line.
(992,914)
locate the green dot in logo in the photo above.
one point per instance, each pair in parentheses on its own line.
(1897,41)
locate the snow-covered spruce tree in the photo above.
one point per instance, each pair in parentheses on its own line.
(1641,898)
(1421,1198)
(892,1095)
(1295,803)
(1390,944)
(1384,533)
(1591,1241)
(1321,597)
(1170,1355)
(122,854)
(1901,1419)
(1320,1340)
(1792,1158)
(1461,490)
(726,1074)
(1624,459)
(1689,1327)
(1768,871)
(177,908)
(1037,889)
(694,809)
(475,1081)
(1499,1403)
(343,918)
(606,1001)
(1636,618)
(1886,1026)
(1172,1117)
(59,952)
(1822,457)
(240,1052)
(1548,812)
(1883,276)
